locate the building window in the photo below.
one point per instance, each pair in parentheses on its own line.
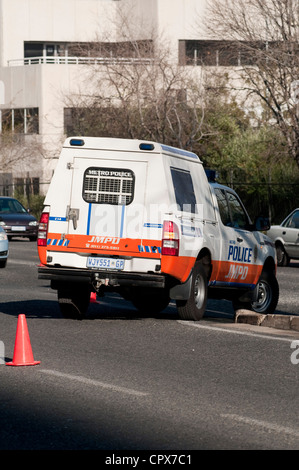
(42,49)
(33,49)
(141,49)
(19,120)
(219,53)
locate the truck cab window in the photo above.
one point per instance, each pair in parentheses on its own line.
(231,211)
(183,189)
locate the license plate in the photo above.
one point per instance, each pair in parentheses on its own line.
(105,263)
(18,228)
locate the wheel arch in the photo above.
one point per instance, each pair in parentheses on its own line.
(206,259)
(279,242)
(269,265)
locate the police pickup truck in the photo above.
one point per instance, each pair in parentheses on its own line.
(142,219)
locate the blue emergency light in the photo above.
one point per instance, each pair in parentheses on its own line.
(145,146)
(211,175)
(77,142)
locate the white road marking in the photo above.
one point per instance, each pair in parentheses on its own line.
(263,424)
(95,383)
(27,263)
(236,332)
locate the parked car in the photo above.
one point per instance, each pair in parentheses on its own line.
(286,238)
(16,220)
(3,248)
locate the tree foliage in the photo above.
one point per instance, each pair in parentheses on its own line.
(267,34)
(138,92)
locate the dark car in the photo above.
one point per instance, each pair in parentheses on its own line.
(16,220)
(286,238)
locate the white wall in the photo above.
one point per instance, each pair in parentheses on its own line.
(52,20)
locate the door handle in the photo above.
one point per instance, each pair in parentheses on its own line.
(73,215)
(239,239)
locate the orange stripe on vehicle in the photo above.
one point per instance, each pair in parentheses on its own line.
(104,245)
(244,273)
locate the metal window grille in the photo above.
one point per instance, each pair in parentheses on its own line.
(108,186)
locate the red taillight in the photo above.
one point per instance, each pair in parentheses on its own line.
(43,229)
(170,239)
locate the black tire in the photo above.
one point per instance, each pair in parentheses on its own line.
(149,301)
(268,295)
(282,257)
(3,263)
(194,308)
(73,304)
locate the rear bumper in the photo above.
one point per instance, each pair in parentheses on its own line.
(108,278)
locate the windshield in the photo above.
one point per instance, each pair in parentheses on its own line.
(11,205)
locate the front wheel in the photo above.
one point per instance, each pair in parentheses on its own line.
(194,307)
(267,296)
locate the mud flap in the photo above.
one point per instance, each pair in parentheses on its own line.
(181,291)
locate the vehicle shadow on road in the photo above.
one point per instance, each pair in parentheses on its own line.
(113,307)
(31,308)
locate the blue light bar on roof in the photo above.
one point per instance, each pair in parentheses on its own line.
(211,175)
(146,146)
(77,142)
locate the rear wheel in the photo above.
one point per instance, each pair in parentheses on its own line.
(73,303)
(194,307)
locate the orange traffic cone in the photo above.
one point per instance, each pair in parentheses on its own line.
(22,353)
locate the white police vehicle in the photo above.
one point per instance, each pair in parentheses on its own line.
(142,219)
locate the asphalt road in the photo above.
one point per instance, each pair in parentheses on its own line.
(116,381)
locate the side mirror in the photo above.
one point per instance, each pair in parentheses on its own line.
(262,224)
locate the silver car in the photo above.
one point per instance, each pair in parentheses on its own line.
(3,248)
(286,238)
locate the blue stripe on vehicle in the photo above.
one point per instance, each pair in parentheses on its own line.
(149,249)
(182,152)
(55,241)
(149,225)
(231,284)
(88,219)
(58,219)
(122,218)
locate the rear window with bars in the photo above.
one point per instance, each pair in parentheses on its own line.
(108,186)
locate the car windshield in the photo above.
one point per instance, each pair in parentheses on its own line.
(11,206)
(292,221)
